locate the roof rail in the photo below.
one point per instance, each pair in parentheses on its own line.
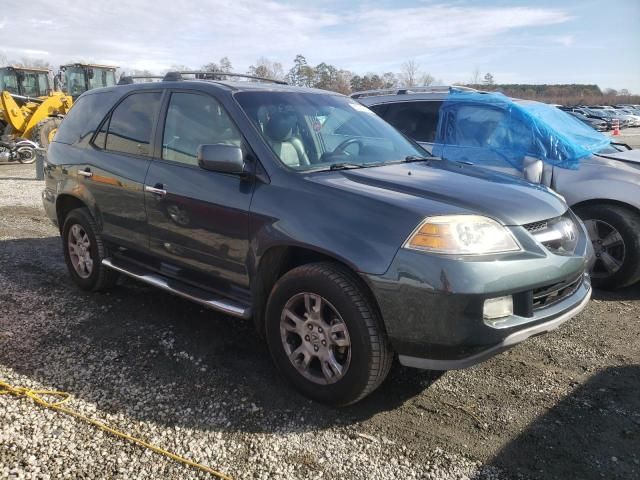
(130,79)
(409,90)
(204,75)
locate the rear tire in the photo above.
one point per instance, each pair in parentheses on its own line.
(617,257)
(44,131)
(84,251)
(350,317)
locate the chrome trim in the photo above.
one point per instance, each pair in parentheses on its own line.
(155,191)
(507,342)
(84,173)
(161,282)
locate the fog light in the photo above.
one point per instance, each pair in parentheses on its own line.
(498,307)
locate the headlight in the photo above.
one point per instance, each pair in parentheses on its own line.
(462,235)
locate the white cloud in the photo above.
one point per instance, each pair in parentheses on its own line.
(564,40)
(158,34)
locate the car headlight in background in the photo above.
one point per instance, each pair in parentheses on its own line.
(462,235)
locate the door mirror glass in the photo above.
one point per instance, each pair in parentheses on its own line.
(532,169)
(221,158)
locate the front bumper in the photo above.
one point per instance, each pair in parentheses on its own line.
(432,305)
(584,294)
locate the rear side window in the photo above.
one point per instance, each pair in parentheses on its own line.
(83,119)
(417,120)
(131,124)
(480,126)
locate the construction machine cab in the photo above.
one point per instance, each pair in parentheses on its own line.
(25,81)
(77,78)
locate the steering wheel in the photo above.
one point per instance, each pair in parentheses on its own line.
(349,141)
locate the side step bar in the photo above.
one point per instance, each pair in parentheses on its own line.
(181,289)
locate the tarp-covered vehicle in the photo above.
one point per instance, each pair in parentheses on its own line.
(599,179)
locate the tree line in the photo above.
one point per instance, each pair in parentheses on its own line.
(330,77)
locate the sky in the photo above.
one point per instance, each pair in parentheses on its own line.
(542,41)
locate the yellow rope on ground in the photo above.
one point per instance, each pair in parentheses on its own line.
(36,396)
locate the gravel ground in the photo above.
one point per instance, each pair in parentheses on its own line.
(563,405)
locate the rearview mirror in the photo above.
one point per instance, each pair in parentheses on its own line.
(221,158)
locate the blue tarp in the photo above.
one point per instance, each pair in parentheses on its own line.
(492,129)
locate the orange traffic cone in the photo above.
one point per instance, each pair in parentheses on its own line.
(616,128)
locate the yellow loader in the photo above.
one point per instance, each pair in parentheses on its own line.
(32,110)
(29,108)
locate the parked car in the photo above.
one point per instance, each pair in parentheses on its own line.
(630,113)
(305,211)
(604,191)
(599,125)
(601,117)
(624,121)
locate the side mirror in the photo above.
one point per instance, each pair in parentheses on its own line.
(221,158)
(532,169)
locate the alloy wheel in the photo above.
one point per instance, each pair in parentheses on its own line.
(79,246)
(315,338)
(609,248)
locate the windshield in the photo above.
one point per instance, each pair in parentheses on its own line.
(310,131)
(102,78)
(8,81)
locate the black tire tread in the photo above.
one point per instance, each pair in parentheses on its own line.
(629,273)
(39,130)
(107,277)
(351,285)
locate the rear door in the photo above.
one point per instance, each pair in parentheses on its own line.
(123,149)
(198,220)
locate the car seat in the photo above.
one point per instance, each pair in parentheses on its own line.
(279,131)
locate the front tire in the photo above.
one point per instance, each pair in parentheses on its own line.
(325,334)
(614,231)
(84,251)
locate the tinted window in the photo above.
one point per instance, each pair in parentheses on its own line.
(85,115)
(417,120)
(132,122)
(194,120)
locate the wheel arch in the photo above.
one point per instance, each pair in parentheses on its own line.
(277,261)
(65,202)
(605,201)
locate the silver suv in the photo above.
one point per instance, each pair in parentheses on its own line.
(604,191)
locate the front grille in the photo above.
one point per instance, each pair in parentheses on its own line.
(547,296)
(559,235)
(537,226)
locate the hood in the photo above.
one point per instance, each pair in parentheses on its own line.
(632,156)
(440,187)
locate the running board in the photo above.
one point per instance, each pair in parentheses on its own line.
(181,289)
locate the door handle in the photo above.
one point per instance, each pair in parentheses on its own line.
(158,189)
(85,173)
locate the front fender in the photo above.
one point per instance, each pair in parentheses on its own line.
(607,180)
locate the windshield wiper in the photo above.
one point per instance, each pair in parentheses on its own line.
(345,166)
(415,158)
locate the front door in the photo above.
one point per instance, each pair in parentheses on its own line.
(198,220)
